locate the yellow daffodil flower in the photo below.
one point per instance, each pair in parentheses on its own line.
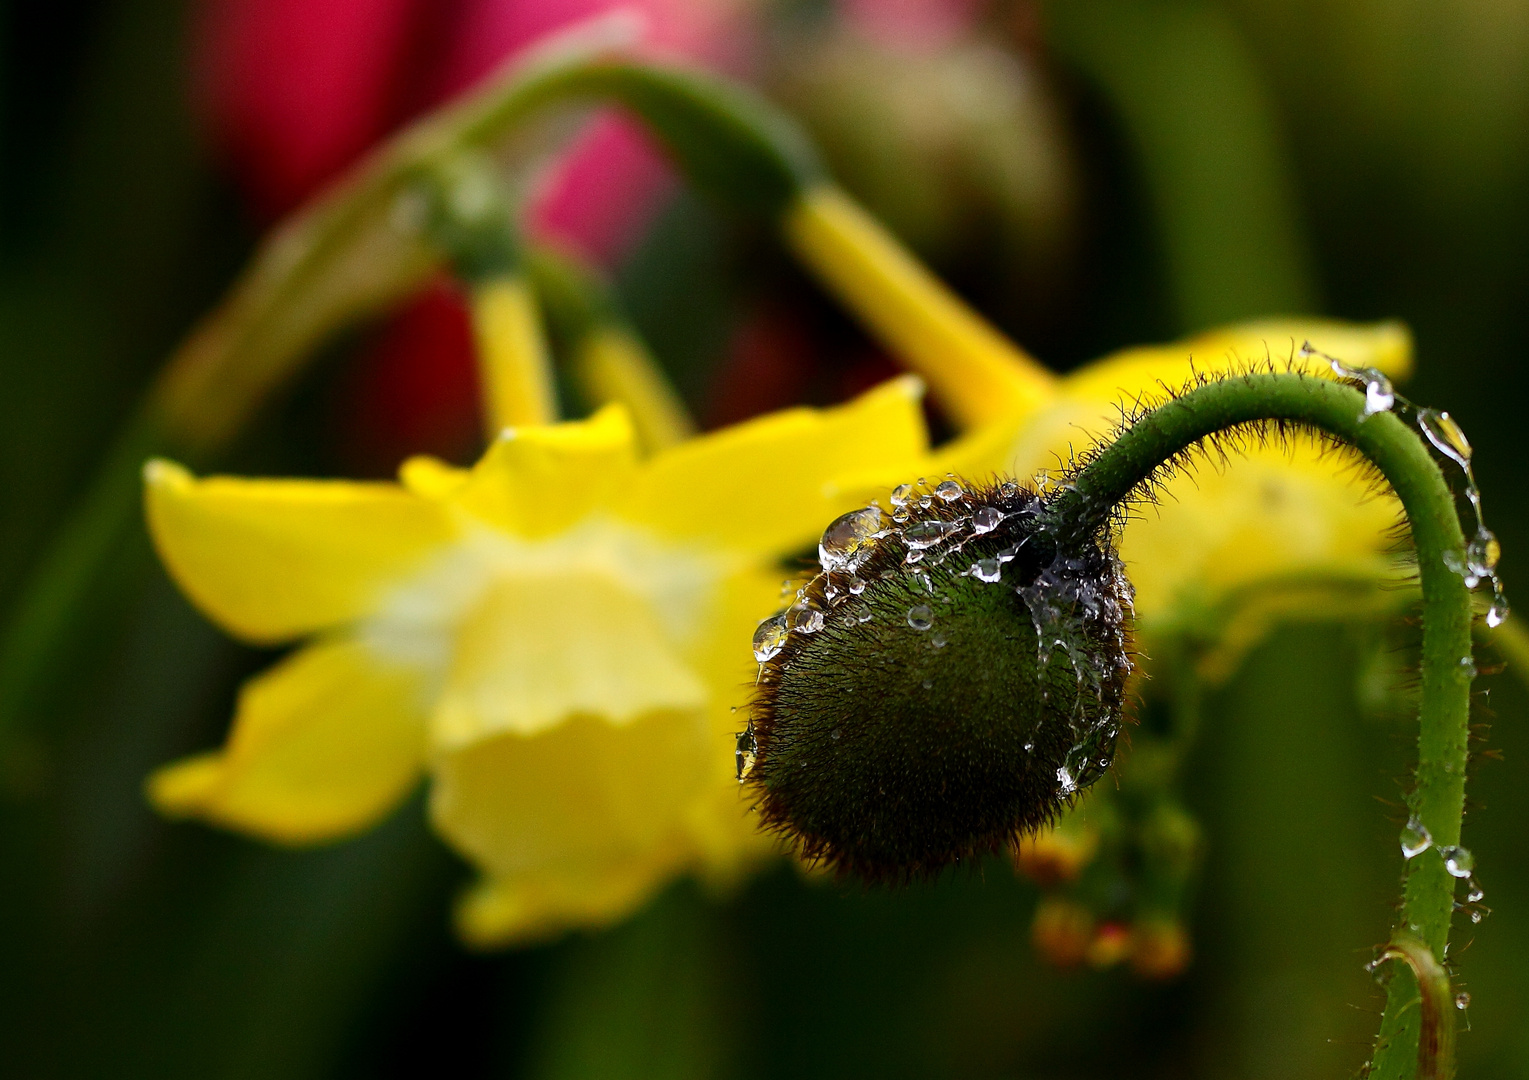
(556,637)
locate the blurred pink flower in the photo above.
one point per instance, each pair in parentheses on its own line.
(293,91)
(916,25)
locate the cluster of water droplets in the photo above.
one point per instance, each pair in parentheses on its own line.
(1458,862)
(1068,607)
(935,522)
(1477,564)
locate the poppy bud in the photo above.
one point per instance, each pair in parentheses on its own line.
(947,683)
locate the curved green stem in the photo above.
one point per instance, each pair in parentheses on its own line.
(1125,467)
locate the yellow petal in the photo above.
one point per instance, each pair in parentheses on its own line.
(498,912)
(720,823)
(577,802)
(323,744)
(1122,376)
(541,647)
(1087,405)
(1271,513)
(537,481)
(770,484)
(275,559)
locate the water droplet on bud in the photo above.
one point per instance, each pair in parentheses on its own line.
(847,540)
(987,570)
(803,618)
(770,638)
(920,617)
(925,534)
(986,519)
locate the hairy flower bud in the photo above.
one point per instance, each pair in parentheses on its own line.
(948,682)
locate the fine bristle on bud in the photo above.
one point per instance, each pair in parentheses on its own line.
(949,681)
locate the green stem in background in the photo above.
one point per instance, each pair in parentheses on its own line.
(1205,136)
(469,217)
(1123,469)
(608,359)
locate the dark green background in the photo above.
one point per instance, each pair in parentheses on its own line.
(1363,159)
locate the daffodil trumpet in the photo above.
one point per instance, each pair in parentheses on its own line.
(954,677)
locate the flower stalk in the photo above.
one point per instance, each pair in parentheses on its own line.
(471,221)
(1123,469)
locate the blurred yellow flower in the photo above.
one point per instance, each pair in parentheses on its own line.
(1278,513)
(555,636)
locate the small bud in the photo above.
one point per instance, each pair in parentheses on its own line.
(1112,943)
(1057,853)
(966,694)
(1061,932)
(1160,949)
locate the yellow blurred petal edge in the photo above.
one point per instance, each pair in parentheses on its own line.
(494,913)
(324,744)
(272,560)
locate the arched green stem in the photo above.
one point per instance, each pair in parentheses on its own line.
(1128,465)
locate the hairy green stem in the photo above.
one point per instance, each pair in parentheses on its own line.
(1128,465)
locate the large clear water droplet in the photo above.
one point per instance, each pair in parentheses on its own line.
(1446,436)
(920,617)
(1483,552)
(986,519)
(848,539)
(1463,1000)
(1416,838)
(949,490)
(1458,860)
(745,754)
(1497,614)
(901,494)
(770,638)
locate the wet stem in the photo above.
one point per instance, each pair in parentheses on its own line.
(1125,469)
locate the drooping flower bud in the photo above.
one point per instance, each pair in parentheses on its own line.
(949,681)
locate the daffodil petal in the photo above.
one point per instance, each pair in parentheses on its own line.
(769,484)
(720,823)
(579,799)
(537,481)
(1155,370)
(323,745)
(1089,404)
(274,559)
(1272,512)
(495,912)
(541,647)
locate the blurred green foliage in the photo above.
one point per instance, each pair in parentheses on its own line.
(1234,158)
